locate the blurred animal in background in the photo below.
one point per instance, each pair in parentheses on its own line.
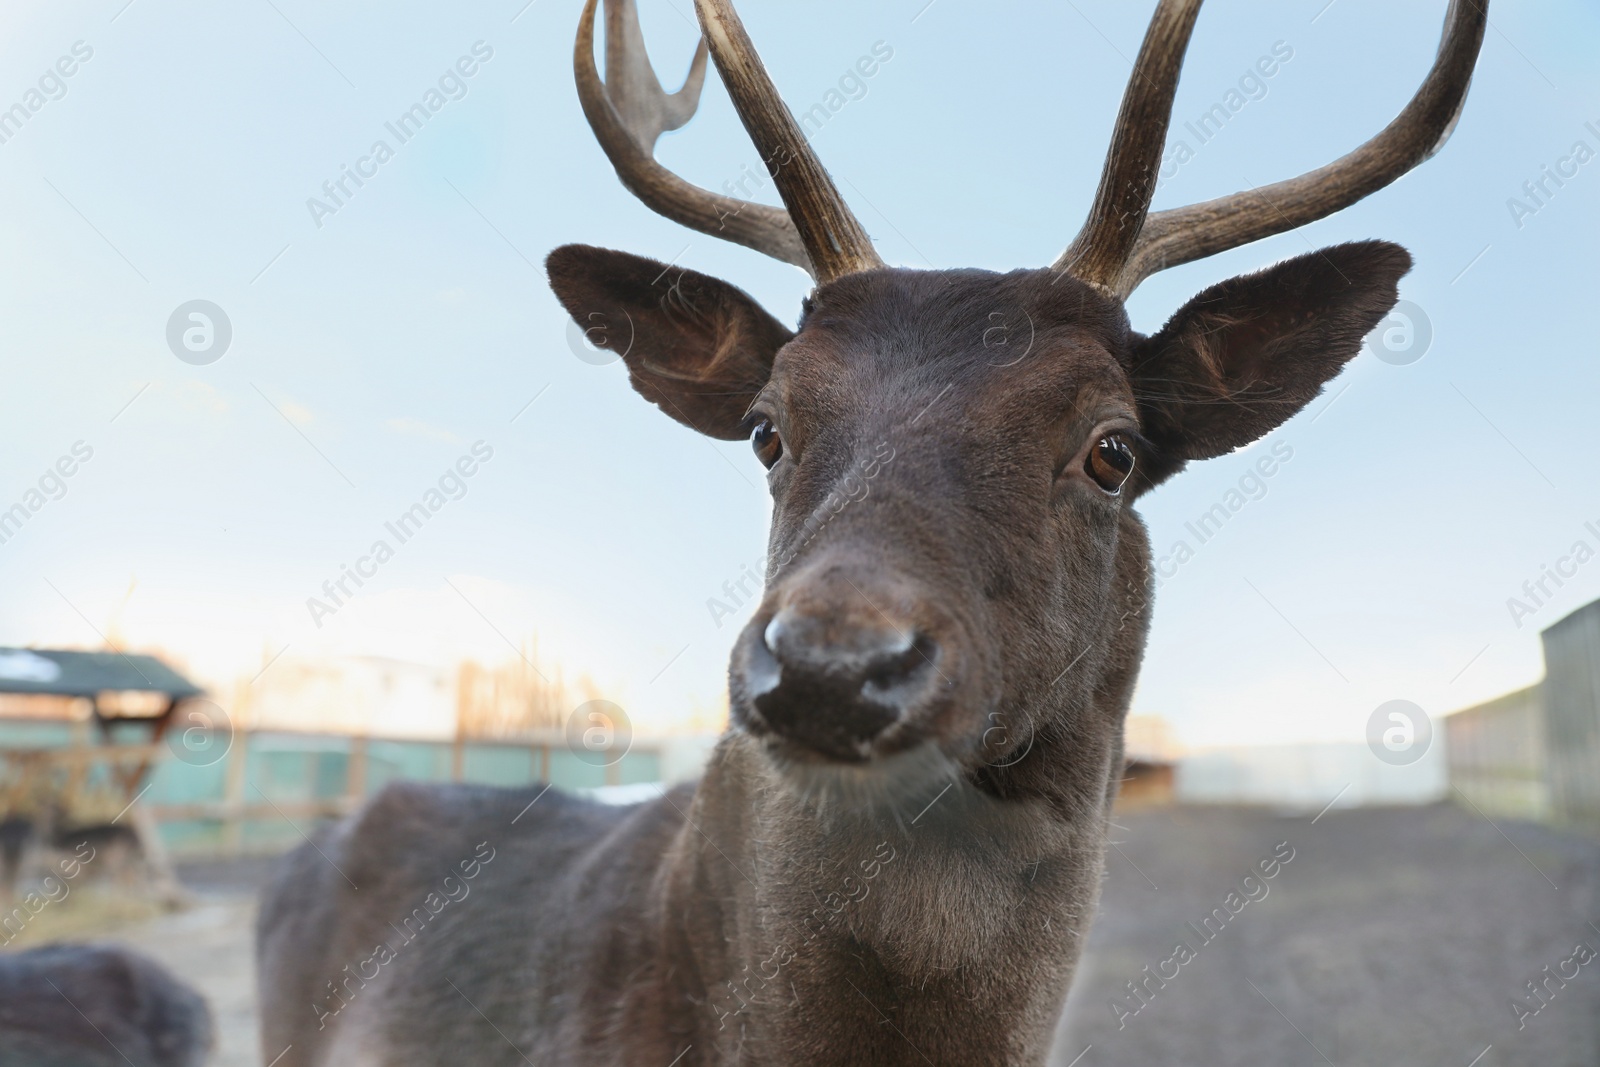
(98,1006)
(33,847)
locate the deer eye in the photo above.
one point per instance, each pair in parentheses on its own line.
(1110,462)
(766,442)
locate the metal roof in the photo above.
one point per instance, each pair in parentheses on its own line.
(1591,608)
(83,674)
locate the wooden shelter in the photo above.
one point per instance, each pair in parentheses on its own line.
(131,700)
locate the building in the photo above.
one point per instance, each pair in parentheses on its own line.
(1497,754)
(357,695)
(1150,751)
(1572,714)
(1308,777)
(1535,753)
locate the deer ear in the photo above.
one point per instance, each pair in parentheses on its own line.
(695,346)
(1246,354)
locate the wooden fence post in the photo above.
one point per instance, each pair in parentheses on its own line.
(355,783)
(233,785)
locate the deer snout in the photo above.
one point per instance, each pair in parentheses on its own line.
(833,682)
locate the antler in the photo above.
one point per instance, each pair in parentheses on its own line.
(629,111)
(1107,240)
(835,240)
(1119,246)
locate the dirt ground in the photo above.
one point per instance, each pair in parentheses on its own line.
(213,947)
(1390,937)
(209,943)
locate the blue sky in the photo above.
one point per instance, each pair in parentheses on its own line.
(369,353)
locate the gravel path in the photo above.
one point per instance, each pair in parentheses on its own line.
(212,947)
(1392,937)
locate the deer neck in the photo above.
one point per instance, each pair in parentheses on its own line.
(940,901)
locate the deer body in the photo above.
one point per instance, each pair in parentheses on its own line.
(619,936)
(896,849)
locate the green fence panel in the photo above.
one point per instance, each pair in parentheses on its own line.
(296,767)
(640,767)
(568,770)
(419,761)
(175,782)
(292,769)
(14,734)
(499,764)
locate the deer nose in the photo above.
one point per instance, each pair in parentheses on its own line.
(859,655)
(833,685)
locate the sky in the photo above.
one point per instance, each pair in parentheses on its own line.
(375,346)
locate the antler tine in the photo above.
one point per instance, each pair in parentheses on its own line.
(645,108)
(1180,235)
(834,239)
(630,111)
(1128,182)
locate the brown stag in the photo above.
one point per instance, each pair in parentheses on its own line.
(895,851)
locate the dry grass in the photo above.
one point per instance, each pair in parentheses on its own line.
(89,912)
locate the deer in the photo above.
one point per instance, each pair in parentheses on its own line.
(894,852)
(99,1005)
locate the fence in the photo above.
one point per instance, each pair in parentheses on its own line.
(268,787)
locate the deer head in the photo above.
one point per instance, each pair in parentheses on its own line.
(955,568)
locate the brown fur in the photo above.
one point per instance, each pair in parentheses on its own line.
(922,899)
(98,1006)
